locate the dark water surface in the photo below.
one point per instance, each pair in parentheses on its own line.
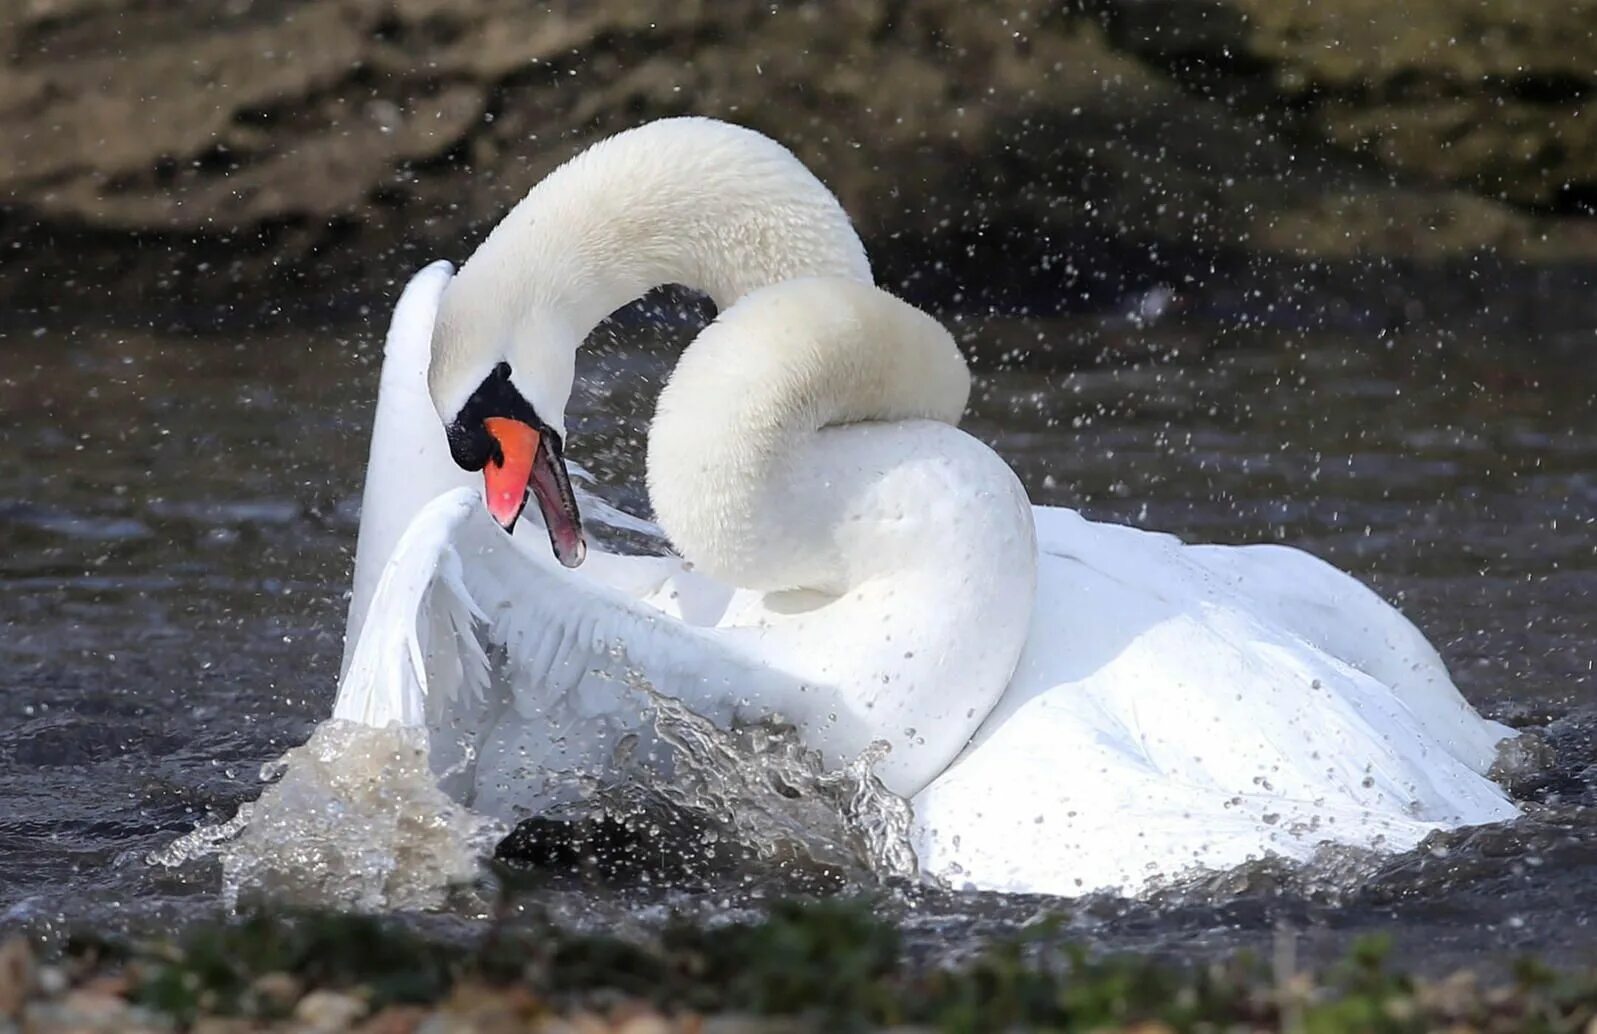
(178,515)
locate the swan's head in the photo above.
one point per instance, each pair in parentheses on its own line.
(500,381)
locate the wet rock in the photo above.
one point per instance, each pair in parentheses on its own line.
(396,1019)
(635,1018)
(52,980)
(1498,96)
(578,1022)
(225,1025)
(276,993)
(639,1018)
(330,1010)
(1493,95)
(477,1009)
(739,1024)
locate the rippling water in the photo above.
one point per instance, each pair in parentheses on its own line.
(177,521)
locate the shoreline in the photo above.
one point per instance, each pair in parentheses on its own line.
(820,964)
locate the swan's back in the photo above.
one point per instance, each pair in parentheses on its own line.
(1198,707)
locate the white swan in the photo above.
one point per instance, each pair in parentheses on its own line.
(1070,705)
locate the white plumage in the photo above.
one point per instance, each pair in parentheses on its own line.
(1070,705)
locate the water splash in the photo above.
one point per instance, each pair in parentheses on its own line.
(769,791)
(355,819)
(1330,875)
(751,802)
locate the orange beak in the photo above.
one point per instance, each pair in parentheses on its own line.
(527,464)
(506,475)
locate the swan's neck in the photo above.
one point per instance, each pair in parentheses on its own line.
(740,476)
(691,201)
(711,206)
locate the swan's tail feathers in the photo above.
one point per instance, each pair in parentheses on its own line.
(1300,595)
(419,633)
(1343,617)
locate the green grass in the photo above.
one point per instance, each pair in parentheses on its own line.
(828,960)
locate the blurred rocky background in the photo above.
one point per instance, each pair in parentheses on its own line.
(1372,162)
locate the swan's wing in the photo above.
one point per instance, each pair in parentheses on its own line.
(409,462)
(498,651)
(1344,617)
(1187,706)
(421,627)
(524,672)
(1303,595)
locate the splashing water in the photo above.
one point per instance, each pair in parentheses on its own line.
(1337,873)
(355,819)
(758,796)
(771,792)
(751,803)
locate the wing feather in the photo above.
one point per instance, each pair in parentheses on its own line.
(522,670)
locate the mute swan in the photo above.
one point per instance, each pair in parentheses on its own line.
(1070,706)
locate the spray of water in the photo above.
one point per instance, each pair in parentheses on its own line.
(355,817)
(762,799)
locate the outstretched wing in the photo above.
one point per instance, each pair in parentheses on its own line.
(409,461)
(525,673)
(419,622)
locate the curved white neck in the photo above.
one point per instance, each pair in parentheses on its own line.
(691,201)
(738,476)
(803,341)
